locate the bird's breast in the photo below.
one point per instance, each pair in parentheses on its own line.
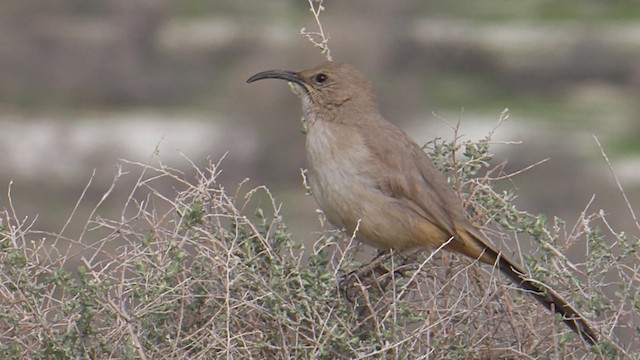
(336,156)
(345,181)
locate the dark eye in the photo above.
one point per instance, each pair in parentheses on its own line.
(320,78)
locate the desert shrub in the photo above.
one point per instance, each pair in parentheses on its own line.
(198,272)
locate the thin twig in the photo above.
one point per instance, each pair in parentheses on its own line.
(318,38)
(615,177)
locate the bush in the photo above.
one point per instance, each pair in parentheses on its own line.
(203,274)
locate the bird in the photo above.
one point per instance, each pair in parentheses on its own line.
(371,179)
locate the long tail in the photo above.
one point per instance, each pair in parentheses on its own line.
(473,246)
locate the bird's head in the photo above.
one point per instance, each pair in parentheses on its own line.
(326,87)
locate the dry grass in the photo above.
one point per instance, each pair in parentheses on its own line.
(199,273)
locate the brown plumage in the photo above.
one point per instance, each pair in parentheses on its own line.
(364,170)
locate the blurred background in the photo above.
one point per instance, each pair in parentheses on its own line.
(84,83)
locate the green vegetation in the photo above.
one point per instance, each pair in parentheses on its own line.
(200,274)
(540,10)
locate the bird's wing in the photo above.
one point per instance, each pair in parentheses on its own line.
(419,184)
(415,180)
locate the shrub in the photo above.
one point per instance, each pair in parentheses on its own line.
(201,273)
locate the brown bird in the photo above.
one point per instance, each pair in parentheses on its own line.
(365,172)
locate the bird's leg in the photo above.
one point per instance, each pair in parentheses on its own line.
(354,283)
(374,273)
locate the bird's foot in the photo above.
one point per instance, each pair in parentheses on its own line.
(374,275)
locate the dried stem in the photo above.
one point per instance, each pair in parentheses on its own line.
(318,38)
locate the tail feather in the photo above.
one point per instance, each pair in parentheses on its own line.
(473,246)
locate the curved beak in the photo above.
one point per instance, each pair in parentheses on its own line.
(280,74)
